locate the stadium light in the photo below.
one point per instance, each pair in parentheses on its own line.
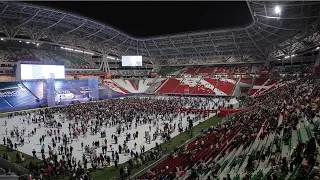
(277,9)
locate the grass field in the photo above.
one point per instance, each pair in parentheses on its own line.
(110,172)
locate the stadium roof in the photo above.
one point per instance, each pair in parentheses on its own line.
(296,26)
(143,19)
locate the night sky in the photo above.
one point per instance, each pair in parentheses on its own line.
(149,18)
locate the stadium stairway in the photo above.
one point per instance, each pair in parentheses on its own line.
(170,70)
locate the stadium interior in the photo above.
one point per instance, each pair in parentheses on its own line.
(246,100)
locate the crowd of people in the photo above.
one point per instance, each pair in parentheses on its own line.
(161,117)
(293,103)
(109,121)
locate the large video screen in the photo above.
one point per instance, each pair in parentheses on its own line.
(37,71)
(131,61)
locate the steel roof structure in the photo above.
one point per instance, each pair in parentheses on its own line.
(269,35)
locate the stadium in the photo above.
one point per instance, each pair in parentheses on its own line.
(81,99)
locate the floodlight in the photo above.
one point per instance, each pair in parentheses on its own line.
(277,9)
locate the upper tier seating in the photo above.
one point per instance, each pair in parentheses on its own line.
(141,72)
(277,69)
(59,58)
(220,70)
(22,54)
(73,60)
(205,71)
(255,69)
(42,55)
(114,72)
(170,70)
(242,70)
(190,70)
(126,72)
(5,55)
(70,59)
(264,70)
(293,69)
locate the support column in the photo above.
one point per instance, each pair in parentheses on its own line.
(93,88)
(106,62)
